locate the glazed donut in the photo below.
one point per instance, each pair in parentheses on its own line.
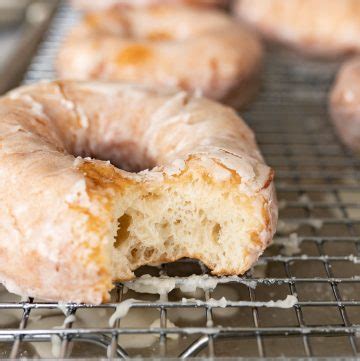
(344,103)
(315,27)
(70,224)
(95,5)
(182,47)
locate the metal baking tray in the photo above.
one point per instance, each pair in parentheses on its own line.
(315,256)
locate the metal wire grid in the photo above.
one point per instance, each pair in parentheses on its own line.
(319,192)
(42,64)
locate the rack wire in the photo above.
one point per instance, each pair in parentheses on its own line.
(315,256)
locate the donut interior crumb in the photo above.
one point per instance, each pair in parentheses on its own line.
(181,219)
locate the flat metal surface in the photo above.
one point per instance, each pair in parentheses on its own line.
(315,255)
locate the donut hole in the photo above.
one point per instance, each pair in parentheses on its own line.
(124,154)
(90,134)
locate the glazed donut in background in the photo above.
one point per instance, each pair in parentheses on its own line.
(315,27)
(94,5)
(71,225)
(182,47)
(344,103)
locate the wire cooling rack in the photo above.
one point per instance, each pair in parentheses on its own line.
(315,256)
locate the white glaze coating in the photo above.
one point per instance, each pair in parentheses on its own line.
(61,210)
(288,302)
(160,46)
(92,5)
(344,103)
(164,284)
(307,25)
